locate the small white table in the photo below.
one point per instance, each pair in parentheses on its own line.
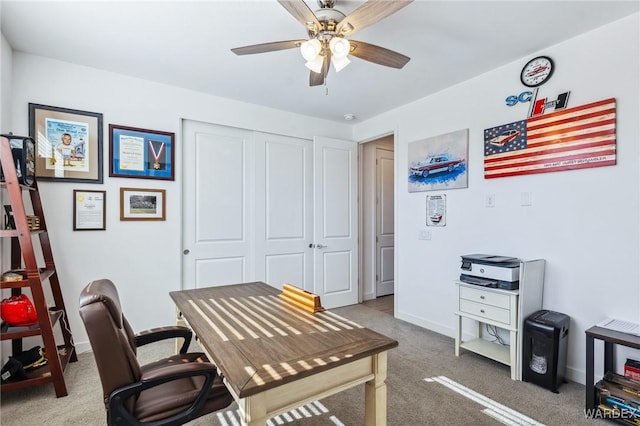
(491,306)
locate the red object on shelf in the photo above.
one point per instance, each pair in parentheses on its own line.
(18,311)
(632,369)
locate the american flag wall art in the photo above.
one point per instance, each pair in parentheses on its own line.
(575,138)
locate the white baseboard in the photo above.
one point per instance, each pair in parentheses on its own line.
(82,347)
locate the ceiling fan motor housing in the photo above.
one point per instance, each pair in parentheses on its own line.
(328,19)
(326,4)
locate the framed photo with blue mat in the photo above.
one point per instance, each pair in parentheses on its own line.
(141,153)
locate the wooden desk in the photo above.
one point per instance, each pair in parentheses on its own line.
(275,357)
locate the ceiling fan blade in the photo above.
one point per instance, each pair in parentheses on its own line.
(318,78)
(378,55)
(369,13)
(300,11)
(267,47)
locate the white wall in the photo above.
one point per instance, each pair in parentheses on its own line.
(5,121)
(142,258)
(5,82)
(585,223)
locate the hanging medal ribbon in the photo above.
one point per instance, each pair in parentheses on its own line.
(156,156)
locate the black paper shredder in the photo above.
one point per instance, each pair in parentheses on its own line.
(544,354)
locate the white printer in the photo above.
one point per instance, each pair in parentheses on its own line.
(491,271)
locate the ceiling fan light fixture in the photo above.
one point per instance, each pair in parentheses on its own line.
(340,63)
(315,64)
(340,47)
(311,49)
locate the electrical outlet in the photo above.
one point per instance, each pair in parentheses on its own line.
(424,235)
(490,201)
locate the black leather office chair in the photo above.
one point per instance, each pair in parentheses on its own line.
(170,391)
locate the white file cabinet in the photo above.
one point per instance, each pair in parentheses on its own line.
(494,307)
(506,309)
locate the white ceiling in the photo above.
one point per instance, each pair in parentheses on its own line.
(187,44)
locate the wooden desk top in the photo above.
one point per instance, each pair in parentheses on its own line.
(258,341)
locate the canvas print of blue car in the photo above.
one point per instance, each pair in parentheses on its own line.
(436,164)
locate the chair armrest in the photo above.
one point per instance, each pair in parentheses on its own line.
(162,333)
(119,415)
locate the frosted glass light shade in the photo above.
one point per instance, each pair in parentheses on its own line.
(310,49)
(339,47)
(340,63)
(315,64)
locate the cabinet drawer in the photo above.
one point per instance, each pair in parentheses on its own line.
(485,311)
(485,297)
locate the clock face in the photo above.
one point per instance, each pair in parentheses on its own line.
(537,71)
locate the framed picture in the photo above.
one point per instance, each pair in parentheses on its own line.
(142,204)
(89,210)
(439,162)
(140,153)
(68,143)
(437,210)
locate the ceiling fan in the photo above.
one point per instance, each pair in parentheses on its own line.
(327,29)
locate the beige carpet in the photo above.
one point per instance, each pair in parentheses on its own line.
(411,400)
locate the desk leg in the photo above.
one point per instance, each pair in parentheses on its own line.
(253,410)
(590,401)
(375,393)
(513,354)
(182,323)
(458,336)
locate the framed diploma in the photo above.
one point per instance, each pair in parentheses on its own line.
(141,153)
(89,213)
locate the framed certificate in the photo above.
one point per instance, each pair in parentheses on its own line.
(89,210)
(141,153)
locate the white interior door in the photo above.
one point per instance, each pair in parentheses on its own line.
(335,221)
(271,208)
(384,222)
(218,201)
(284,210)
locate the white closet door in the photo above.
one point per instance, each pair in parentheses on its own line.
(270,208)
(217,217)
(284,210)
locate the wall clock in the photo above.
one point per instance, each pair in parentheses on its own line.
(537,71)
